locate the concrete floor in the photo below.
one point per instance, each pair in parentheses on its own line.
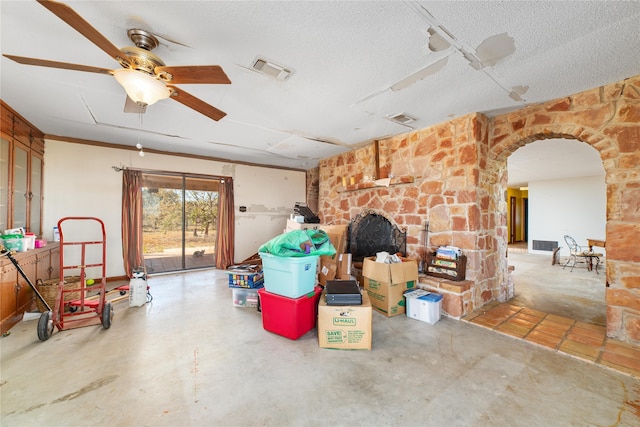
(577,294)
(190,358)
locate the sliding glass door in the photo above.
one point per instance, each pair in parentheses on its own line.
(180,213)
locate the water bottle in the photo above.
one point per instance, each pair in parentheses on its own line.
(56,234)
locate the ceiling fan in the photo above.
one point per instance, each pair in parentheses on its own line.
(144,76)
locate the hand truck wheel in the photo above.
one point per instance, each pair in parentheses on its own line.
(107,315)
(45,326)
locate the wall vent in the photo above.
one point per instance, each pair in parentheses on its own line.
(402,118)
(544,245)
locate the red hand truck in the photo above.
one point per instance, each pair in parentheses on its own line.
(79,257)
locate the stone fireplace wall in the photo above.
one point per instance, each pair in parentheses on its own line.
(454,175)
(433,176)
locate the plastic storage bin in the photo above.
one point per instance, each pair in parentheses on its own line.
(289,317)
(423,305)
(243,297)
(289,276)
(246,280)
(30,240)
(412,307)
(13,242)
(430,307)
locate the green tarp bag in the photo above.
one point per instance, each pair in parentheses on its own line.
(299,243)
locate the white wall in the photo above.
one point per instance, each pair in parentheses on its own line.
(79,181)
(575,206)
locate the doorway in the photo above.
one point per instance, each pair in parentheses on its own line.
(559,193)
(512,219)
(180,214)
(525,214)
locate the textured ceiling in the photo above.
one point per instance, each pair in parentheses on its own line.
(354,65)
(552,159)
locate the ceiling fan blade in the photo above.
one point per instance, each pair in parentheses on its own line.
(196,104)
(56,64)
(78,23)
(195,74)
(131,106)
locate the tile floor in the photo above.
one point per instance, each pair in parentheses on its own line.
(561,334)
(579,294)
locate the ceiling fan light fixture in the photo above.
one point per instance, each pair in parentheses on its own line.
(140,87)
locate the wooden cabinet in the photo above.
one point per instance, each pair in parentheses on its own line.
(21,171)
(4,181)
(48,262)
(16,296)
(446,268)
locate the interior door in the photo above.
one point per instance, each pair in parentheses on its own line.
(525,212)
(512,219)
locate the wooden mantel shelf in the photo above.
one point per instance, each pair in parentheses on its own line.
(385,182)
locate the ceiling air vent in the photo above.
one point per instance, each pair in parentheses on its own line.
(271,69)
(402,118)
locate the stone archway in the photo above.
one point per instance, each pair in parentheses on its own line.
(608,119)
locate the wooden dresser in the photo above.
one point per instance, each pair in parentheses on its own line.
(16,296)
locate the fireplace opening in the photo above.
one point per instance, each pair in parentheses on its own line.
(371,232)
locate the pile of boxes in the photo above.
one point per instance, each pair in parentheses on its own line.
(333,267)
(290,293)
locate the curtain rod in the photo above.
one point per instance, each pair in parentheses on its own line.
(159,172)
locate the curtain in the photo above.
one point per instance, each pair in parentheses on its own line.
(132,220)
(226,226)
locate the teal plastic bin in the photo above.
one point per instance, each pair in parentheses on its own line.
(13,242)
(290,277)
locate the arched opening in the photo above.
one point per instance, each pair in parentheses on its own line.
(606,119)
(556,187)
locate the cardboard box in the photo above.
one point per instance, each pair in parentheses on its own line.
(329,264)
(387,283)
(246,280)
(344,267)
(337,230)
(345,327)
(328,270)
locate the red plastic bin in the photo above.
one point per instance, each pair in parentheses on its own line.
(289,317)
